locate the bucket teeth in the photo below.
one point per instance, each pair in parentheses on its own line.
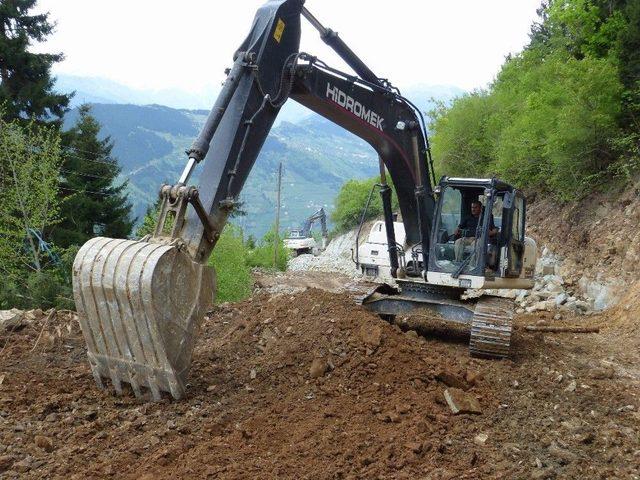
(135,386)
(140,306)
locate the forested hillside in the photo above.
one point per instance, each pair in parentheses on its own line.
(564,114)
(57,184)
(149,142)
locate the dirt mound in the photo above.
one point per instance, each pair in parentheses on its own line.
(311,386)
(330,381)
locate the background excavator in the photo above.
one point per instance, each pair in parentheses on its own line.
(300,240)
(141,303)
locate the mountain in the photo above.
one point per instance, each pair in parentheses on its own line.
(425,96)
(317,158)
(105,91)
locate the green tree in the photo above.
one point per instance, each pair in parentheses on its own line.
(94,203)
(251,242)
(464,135)
(148,225)
(560,115)
(26,86)
(351,201)
(261,255)
(556,119)
(30,160)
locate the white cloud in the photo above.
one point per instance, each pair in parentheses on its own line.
(157,44)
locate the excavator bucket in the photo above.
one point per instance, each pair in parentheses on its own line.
(140,307)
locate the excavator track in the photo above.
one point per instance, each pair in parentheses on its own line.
(491,327)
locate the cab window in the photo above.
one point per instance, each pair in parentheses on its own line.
(456,229)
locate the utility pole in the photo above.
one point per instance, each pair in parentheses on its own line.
(276,239)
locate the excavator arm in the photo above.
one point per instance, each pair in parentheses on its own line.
(308,223)
(386,121)
(141,303)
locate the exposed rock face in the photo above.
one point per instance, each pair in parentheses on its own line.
(556,289)
(603,295)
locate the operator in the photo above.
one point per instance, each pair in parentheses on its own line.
(466,231)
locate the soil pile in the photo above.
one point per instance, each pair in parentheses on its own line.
(308,385)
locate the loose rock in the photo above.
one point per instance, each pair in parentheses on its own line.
(371,335)
(11,320)
(602,373)
(23,466)
(44,443)
(318,368)
(461,402)
(451,379)
(5,462)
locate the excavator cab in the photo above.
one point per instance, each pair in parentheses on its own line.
(478,238)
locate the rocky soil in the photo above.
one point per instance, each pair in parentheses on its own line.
(552,292)
(305,384)
(597,240)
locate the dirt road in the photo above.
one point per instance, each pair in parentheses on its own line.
(308,385)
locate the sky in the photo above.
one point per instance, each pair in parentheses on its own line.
(186,45)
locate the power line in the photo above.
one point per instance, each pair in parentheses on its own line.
(113,164)
(86,191)
(85,174)
(81,150)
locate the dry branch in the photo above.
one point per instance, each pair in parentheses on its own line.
(551,329)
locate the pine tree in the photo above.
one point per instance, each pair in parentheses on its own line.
(93,204)
(26,86)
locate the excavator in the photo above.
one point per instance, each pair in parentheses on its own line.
(141,303)
(300,240)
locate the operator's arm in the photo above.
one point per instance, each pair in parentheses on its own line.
(463,224)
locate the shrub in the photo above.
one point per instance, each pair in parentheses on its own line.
(262,255)
(229,258)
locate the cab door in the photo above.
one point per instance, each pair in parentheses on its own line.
(512,251)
